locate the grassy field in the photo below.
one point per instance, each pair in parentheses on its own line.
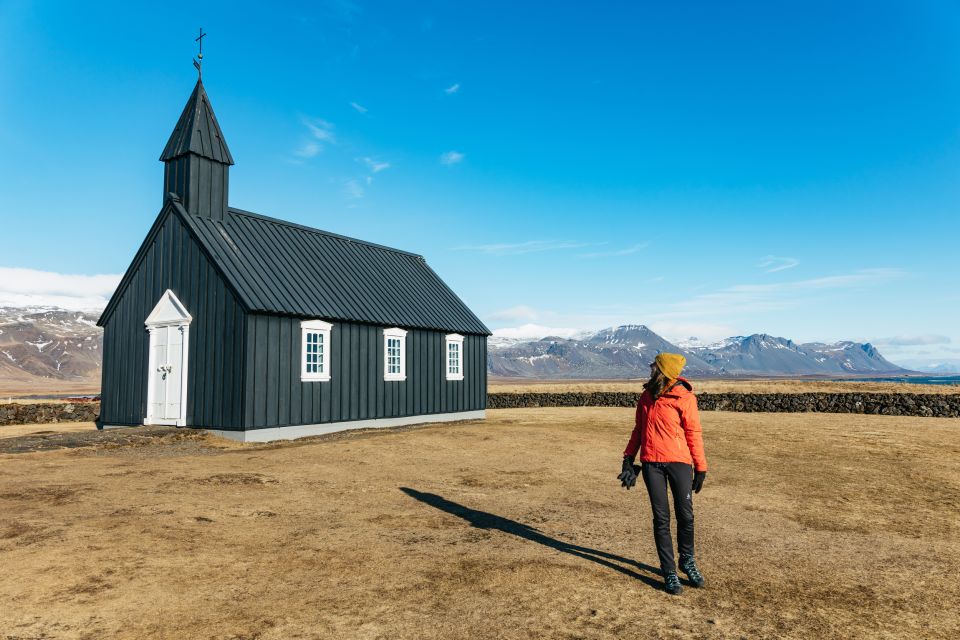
(19,430)
(14,389)
(809,526)
(519,385)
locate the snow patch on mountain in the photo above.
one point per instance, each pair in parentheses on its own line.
(49,342)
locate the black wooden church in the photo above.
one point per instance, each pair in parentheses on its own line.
(261,329)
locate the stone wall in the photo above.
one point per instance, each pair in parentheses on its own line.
(892,404)
(48,412)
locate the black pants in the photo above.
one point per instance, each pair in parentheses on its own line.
(656,475)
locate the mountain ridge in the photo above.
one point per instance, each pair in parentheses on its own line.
(627,350)
(50,343)
(44,343)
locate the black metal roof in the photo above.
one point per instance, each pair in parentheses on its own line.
(285,268)
(197,131)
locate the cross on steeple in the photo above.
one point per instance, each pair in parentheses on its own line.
(198,61)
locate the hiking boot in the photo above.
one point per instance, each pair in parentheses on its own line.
(671,584)
(689,567)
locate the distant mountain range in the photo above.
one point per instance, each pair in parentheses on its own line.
(51,344)
(626,352)
(42,342)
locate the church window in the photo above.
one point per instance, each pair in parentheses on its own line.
(394,354)
(454,351)
(315,351)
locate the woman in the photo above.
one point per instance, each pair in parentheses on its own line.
(668,436)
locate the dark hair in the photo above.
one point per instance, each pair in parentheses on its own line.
(657,383)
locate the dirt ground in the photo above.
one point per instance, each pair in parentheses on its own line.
(809,526)
(518,385)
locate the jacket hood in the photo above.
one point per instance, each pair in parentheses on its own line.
(682,387)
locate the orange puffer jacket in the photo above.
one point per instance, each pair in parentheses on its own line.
(668,430)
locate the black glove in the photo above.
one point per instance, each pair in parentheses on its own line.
(698,478)
(628,476)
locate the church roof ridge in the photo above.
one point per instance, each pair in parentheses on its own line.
(302,227)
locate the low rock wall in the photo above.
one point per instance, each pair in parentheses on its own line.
(891,404)
(48,412)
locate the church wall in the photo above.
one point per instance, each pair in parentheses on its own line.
(174,261)
(357,391)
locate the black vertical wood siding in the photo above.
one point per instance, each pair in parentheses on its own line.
(357,390)
(217,334)
(202,184)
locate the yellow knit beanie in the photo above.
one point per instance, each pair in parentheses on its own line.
(670,364)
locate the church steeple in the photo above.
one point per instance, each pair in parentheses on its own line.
(197,160)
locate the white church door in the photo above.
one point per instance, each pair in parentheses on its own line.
(169,327)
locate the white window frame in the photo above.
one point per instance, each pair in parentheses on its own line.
(323,328)
(401,335)
(457,339)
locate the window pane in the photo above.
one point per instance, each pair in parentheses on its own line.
(313,343)
(319,353)
(393,356)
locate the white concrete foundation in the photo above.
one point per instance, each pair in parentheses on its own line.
(304,430)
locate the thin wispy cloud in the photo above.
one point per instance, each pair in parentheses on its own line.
(376,166)
(359,108)
(535,331)
(307,149)
(319,133)
(320,129)
(860,277)
(353,189)
(756,298)
(517,313)
(772,264)
(451,157)
(452,89)
(31,287)
(617,252)
(520,248)
(693,332)
(911,340)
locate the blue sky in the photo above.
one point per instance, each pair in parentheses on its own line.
(708,169)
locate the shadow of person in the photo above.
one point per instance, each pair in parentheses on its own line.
(484,520)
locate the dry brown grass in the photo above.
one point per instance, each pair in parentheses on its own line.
(19,430)
(14,389)
(515,385)
(809,526)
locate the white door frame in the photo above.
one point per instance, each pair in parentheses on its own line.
(168,312)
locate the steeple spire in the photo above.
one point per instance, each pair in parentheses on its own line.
(197,158)
(197,131)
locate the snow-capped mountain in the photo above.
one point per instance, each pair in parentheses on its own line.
(48,342)
(620,352)
(943,367)
(626,352)
(57,344)
(762,354)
